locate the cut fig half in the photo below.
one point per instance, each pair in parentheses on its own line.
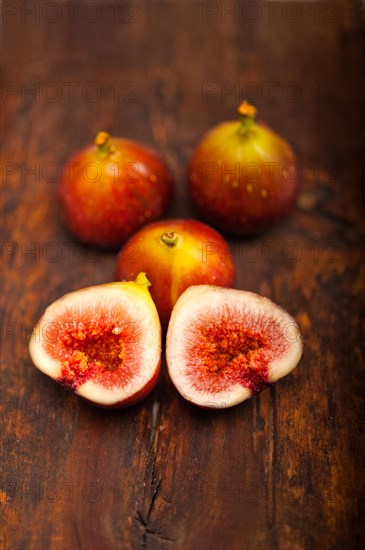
(101,342)
(225,345)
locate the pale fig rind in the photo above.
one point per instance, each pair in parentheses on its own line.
(209,357)
(127,314)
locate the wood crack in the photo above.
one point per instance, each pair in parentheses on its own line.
(144,521)
(78,537)
(153,487)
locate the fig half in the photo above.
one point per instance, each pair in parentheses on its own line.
(101,342)
(225,345)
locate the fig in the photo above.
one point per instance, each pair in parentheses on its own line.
(243,176)
(225,345)
(111,189)
(176,254)
(102,342)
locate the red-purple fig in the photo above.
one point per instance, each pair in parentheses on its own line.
(176,254)
(112,188)
(243,176)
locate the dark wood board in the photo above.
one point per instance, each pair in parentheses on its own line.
(283,470)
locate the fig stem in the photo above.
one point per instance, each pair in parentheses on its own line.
(170,238)
(246,113)
(102,141)
(142,280)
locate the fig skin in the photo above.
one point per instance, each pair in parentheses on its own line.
(243,176)
(176,254)
(83,335)
(112,188)
(225,345)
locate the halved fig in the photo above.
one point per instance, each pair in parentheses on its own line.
(225,345)
(101,342)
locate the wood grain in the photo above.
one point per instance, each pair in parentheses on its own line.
(283,470)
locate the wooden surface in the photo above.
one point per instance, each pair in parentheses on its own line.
(283,470)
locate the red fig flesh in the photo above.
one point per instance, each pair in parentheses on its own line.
(225,345)
(102,342)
